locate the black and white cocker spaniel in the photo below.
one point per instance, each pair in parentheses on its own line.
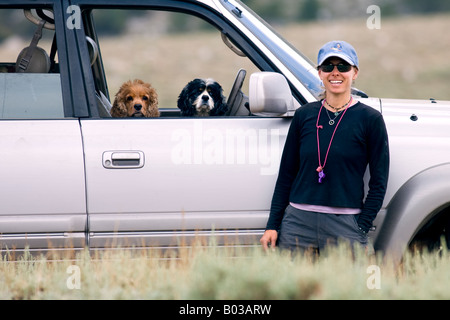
(202,98)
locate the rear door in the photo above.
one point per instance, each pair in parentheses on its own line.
(42,198)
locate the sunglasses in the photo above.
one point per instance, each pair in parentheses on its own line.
(330,67)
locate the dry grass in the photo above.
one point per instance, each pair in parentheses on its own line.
(217,273)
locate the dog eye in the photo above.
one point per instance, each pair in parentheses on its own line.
(145,98)
(129,98)
(209,90)
(201,89)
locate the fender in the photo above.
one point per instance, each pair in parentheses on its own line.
(414,204)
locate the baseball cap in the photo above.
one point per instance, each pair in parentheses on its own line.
(340,49)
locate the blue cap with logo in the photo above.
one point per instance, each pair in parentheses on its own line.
(340,49)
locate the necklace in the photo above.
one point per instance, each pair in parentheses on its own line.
(336,114)
(321,167)
(338,109)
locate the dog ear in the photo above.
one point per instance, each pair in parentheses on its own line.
(220,105)
(184,103)
(153,102)
(119,109)
(220,108)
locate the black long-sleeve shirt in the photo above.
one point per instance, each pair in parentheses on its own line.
(360,140)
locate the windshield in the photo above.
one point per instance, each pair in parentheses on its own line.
(298,65)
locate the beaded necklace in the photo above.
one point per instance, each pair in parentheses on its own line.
(339,109)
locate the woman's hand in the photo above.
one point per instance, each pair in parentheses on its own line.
(269,238)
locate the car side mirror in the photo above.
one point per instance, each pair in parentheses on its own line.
(269,94)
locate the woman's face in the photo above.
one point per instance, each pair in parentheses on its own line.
(336,82)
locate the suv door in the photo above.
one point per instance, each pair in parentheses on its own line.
(152,179)
(42,196)
(162,181)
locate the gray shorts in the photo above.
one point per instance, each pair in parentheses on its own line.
(306,229)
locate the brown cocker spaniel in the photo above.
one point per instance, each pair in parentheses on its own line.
(135,99)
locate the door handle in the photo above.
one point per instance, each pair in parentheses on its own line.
(123,159)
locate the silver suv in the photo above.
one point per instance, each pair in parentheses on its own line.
(74,177)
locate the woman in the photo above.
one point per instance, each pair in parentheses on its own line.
(319,196)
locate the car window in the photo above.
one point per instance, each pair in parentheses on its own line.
(30,83)
(165,49)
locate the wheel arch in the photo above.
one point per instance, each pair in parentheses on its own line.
(416,203)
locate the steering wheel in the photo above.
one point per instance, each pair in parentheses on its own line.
(232,102)
(49,22)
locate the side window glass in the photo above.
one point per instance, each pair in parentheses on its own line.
(168,50)
(30,84)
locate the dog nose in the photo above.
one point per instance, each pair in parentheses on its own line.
(138,107)
(205,97)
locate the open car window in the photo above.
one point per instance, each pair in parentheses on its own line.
(165,49)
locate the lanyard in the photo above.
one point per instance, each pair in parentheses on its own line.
(321,167)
